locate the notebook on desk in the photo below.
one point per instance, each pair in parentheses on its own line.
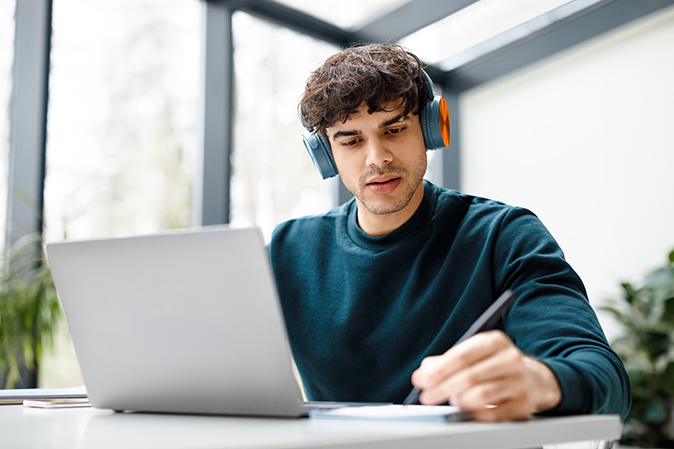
(178,322)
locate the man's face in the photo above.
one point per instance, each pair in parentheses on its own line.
(381,158)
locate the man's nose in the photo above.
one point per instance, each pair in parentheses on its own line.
(377,153)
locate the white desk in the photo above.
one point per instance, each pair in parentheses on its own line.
(29,428)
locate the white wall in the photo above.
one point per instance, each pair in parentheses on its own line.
(586,141)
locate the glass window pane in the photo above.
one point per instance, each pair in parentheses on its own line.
(7,8)
(346,14)
(123,116)
(470,26)
(273,178)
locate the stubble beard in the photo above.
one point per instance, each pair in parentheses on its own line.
(417,175)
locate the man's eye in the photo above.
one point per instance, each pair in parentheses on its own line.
(396,130)
(350,143)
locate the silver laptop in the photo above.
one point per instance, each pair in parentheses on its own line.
(180,322)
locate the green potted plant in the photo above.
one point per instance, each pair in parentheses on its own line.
(29,312)
(646,346)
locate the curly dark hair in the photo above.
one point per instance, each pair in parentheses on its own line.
(374,74)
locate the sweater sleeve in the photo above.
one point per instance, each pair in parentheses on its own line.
(553,321)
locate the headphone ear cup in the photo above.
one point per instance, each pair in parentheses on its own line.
(434,118)
(319,149)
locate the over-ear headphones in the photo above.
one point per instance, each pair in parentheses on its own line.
(434,119)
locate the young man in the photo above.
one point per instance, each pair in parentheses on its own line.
(376,292)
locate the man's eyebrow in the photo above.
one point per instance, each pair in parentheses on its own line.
(349,133)
(345,134)
(396,119)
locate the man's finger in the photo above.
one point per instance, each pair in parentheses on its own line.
(511,410)
(436,369)
(497,391)
(502,366)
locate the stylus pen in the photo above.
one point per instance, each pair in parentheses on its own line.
(486,321)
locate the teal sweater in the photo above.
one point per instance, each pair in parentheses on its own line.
(362,312)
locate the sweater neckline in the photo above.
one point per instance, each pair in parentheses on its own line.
(410,228)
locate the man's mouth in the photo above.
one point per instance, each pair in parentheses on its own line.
(383,186)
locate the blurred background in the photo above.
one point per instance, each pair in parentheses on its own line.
(133,116)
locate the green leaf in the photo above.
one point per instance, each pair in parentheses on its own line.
(668,312)
(630,292)
(671,256)
(640,390)
(29,308)
(660,278)
(638,409)
(656,412)
(656,343)
(668,380)
(624,318)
